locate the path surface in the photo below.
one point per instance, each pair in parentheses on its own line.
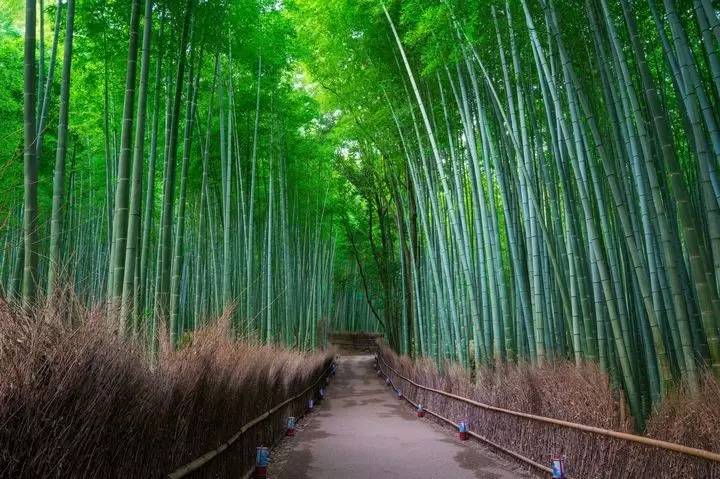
(362,431)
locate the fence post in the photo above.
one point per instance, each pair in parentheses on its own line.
(558,467)
(290,426)
(463,430)
(262,459)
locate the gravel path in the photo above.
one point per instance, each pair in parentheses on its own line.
(362,431)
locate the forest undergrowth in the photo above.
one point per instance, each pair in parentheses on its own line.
(80,401)
(584,395)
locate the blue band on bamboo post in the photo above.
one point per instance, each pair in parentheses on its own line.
(463,430)
(262,459)
(290,426)
(558,467)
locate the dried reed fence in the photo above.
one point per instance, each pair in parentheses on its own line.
(578,395)
(82,402)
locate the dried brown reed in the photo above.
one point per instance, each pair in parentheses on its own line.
(79,401)
(582,395)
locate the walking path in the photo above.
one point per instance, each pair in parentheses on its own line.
(362,431)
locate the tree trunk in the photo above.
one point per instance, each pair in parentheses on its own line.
(122,188)
(30,221)
(56,226)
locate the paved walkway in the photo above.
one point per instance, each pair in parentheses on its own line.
(362,431)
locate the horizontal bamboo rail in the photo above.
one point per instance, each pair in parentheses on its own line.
(668,446)
(199,462)
(477,436)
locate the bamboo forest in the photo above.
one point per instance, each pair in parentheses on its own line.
(493,187)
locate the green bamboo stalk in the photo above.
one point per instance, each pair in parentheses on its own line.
(56,226)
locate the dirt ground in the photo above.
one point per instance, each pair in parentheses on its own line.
(362,431)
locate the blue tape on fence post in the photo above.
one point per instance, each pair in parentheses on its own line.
(558,467)
(463,430)
(262,460)
(290,426)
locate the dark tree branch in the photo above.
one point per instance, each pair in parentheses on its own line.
(356,254)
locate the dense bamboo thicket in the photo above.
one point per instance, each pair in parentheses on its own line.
(81,401)
(538,178)
(188,171)
(504,181)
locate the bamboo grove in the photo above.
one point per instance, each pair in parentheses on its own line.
(187,174)
(543,176)
(485,182)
